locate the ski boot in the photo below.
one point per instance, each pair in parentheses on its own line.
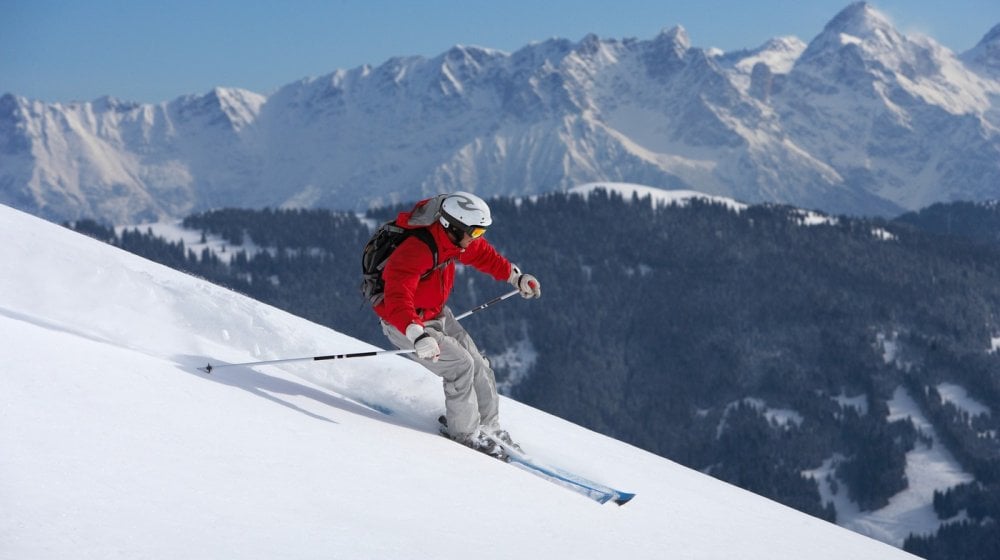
(504,437)
(483,444)
(481,436)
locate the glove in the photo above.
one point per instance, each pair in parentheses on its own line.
(528,284)
(426,345)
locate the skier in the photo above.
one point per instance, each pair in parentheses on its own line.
(414,312)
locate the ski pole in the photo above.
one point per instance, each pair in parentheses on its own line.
(493,301)
(209,368)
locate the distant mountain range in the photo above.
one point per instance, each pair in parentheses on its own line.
(863,120)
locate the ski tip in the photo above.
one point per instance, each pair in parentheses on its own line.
(206,369)
(623,498)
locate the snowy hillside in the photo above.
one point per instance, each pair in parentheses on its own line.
(115,445)
(861,119)
(656,196)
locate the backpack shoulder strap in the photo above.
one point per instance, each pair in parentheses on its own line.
(424,234)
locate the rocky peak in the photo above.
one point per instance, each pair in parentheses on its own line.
(667,52)
(860,20)
(858,26)
(674,39)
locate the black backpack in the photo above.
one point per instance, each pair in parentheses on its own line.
(376,254)
(387,237)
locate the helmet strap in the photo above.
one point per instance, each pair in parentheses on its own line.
(454,233)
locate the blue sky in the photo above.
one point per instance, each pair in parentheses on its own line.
(60,50)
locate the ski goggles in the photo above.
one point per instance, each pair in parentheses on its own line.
(475,232)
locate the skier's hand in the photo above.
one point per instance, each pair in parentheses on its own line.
(528,284)
(426,345)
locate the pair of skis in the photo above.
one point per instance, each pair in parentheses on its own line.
(596,491)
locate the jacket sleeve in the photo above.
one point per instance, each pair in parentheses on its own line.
(483,257)
(401,275)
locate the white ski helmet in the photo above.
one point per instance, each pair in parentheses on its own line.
(465,212)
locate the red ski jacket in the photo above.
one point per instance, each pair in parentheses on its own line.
(408,299)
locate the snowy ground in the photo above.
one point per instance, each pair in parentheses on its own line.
(658,196)
(173,231)
(958,396)
(114,445)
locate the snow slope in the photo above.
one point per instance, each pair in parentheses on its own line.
(114,445)
(662,197)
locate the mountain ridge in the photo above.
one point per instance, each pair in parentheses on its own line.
(863,119)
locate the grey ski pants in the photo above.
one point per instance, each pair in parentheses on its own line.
(470,389)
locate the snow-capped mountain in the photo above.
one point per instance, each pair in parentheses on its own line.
(111,159)
(897,117)
(862,119)
(115,445)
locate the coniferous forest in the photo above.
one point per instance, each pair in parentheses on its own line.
(683,329)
